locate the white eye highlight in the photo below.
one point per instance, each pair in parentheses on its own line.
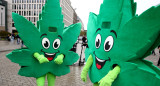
(108,44)
(45,43)
(56,43)
(98,41)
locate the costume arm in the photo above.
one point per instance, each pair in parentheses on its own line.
(59,59)
(40,58)
(86,68)
(110,77)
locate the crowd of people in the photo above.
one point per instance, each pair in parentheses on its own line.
(13,37)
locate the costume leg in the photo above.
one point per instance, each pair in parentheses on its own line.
(95,84)
(51,79)
(41,81)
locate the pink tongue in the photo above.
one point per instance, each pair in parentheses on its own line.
(98,66)
(50,58)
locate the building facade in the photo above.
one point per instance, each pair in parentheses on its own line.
(31,9)
(68,12)
(3,15)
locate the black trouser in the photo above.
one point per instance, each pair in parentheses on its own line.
(158,61)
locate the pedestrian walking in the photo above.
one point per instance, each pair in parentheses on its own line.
(84,42)
(12,36)
(18,39)
(22,44)
(8,37)
(153,52)
(159,56)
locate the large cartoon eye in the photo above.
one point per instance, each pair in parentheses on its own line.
(98,41)
(45,43)
(56,43)
(108,44)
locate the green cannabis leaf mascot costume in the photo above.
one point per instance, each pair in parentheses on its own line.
(118,42)
(48,45)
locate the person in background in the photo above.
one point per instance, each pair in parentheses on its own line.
(18,39)
(8,38)
(22,44)
(153,52)
(12,36)
(84,41)
(159,56)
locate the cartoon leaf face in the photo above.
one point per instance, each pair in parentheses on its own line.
(103,28)
(108,39)
(116,35)
(49,38)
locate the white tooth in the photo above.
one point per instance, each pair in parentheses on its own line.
(50,53)
(100,60)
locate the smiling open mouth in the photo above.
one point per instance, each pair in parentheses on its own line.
(50,56)
(100,63)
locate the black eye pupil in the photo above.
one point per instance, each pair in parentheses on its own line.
(97,43)
(46,44)
(55,44)
(107,46)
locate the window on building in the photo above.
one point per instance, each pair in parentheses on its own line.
(29,6)
(12,1)
(24,13)
(34,6)
(24,1)
(34,19)
(31,19)
(17,7)
(39,6)
(19,12)
(29,13)
(20,6)
(34,13)
(37,13)
(28,1)
(24,6)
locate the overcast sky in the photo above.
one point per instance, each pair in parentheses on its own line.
(83,7)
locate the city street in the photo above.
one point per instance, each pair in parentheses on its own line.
(9,70)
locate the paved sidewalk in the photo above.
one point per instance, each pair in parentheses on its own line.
(8,45)
(9,76)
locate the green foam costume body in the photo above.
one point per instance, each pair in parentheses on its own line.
(118,42)
(48,44)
